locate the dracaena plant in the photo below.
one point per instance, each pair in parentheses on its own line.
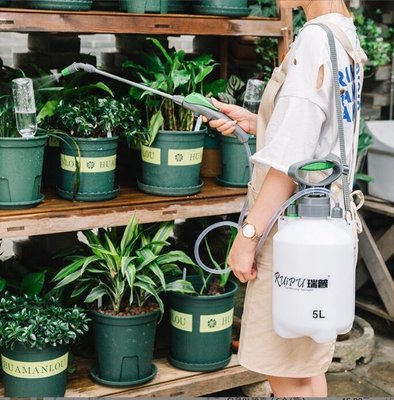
(171,72)
(132,270)
(36,322)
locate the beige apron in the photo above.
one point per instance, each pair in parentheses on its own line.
(261,349)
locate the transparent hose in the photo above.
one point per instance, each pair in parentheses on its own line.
(309,191)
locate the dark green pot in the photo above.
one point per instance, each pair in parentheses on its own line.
(5,3)
(124,348)
(66,5)
(201,328)
(145,6)
(231,8)
(21,162)
(179,6)
(235,167)
(171,166)
(97,173)
(35,373)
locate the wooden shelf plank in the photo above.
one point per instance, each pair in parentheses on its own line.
(169,382)
(25,20)
(55,215)
(379,206)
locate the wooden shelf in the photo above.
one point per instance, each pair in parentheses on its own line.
(55,215)
(169,382)
(26,20)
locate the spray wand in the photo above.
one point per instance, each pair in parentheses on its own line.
(194,102)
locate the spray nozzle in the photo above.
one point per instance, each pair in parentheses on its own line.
(75,67)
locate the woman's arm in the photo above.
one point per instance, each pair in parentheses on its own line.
(276,189)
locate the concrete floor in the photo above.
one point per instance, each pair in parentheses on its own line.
(375,379)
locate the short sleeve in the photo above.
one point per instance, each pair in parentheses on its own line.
(301,109)
(292,134)
(309,53)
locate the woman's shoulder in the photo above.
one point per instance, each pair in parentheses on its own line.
(310,37)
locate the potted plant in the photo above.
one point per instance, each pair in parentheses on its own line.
(126,274)
(145,6)
(35,335)
(21,158)
(67,5)
(171,160)
(89,129)
(201,322)
(234,8)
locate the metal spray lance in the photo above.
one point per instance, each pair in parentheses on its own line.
(194,102)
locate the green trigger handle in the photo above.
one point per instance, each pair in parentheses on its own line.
(201,105)
(297,171)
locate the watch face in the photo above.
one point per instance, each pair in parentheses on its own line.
(248,231)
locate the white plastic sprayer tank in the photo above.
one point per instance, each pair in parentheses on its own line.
(313,278)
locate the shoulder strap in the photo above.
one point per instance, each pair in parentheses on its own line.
(341,133)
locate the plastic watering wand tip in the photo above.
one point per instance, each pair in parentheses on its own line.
(75,67)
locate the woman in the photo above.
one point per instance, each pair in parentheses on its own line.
(296,121)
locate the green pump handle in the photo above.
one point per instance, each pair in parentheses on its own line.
(331,162)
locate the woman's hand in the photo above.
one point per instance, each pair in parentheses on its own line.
(241,116)
(241,258)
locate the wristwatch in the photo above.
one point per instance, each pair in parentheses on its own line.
(249,231)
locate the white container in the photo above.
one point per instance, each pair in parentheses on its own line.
(313,279)
(381,159)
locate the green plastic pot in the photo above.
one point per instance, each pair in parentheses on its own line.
(171,166)
(235,167)
(96,179)
(145,6)
(124,348)
(233,8)
(201,328)
(66,5)
(5,3)
(21,162)
(29,372)
(179,6)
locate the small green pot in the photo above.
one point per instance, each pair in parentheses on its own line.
(201,328)
(145,6)
(231,8)
(124,348)
(35,373)
(179,6)
(96,178)
(66,5)
(21,162)
(235,166)
(171,166)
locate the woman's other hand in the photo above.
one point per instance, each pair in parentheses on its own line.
(241,258)
(241,116)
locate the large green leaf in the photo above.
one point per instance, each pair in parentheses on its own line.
(146,279)
(3,284)
(162,235)
(33,283)
(179,78)
(162,49)
(173,257)
(204,73)
(129,236)
(66,271)
(154,267)
(181,286)
(68,279)
(156,123)
(152,292)
(96,293)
